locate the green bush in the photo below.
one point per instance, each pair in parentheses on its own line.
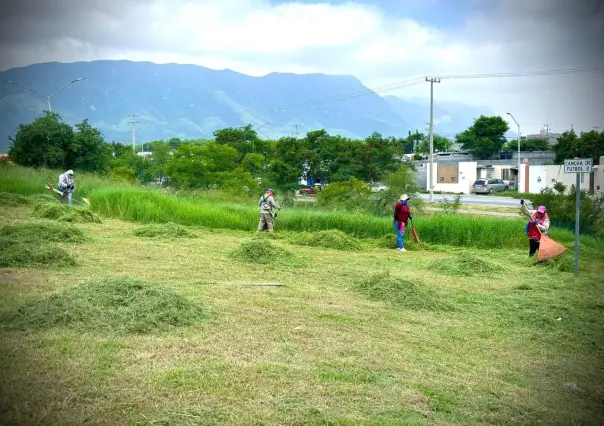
(353,196)
(561,209)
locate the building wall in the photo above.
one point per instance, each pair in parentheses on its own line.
(541,177)
(466,177)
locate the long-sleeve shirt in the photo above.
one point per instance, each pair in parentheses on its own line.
(266,203)
(66,182)
(543,226)
(401,212)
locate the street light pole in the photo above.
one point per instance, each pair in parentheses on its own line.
(518,125)
(47,97)
(432,80)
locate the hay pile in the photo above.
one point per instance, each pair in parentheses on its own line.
(332,239)
(167,230)
(9,199)
(30,244)
(118,305)
(401,292)
(466,265)
(65,213)
(262,251)
(43,231)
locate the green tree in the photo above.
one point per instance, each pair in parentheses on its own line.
(42,143)
(439,143)
(89,151)
(401,181)
(528,145)
(586,145)
(48,142)
(212,165)
(485,138)
(243,140)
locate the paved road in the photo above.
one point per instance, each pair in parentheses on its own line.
(477,200)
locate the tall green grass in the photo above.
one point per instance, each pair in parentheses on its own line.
(29,181)
(148,206)
(223,211)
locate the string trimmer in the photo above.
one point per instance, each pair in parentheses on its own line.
(62,194)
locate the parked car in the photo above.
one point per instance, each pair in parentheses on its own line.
(488,186)
(307,191)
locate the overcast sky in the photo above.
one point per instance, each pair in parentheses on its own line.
(378,41)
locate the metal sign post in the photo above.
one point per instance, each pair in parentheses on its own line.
(577,166)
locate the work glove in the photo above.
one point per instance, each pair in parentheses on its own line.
(411,217)
(521,202)
(536,222)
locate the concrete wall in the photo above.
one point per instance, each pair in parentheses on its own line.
(540,177)
(465,179)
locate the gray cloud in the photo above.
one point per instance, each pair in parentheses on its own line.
(516,35)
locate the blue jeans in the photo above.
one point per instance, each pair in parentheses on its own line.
(400,236)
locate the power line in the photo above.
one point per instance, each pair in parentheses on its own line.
(405,84)
(523,73)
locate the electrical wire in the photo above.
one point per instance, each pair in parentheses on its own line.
(405,84)
(522,74)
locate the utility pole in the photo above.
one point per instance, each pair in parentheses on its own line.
(518,174)
(432,80)
(133,122)
(547,127)
(296,132)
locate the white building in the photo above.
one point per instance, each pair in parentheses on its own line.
(533,179)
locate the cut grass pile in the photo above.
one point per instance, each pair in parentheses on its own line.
(119,305)
(20,255)
(563,263)
(43,199)
(465,264)
(40,232)
(332,239)
(27,244)
(65,213)
(401,292)
(168,230)
(13,200)
(260,250)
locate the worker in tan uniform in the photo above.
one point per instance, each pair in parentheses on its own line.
(267,217)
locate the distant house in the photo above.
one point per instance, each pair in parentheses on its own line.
(455,172)
(533,178)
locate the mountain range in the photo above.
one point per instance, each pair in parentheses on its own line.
(191,102)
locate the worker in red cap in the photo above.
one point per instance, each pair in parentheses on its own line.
(538,226)
(267,217)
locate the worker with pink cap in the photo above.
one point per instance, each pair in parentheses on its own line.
(537,227)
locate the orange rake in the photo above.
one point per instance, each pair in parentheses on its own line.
(548,248)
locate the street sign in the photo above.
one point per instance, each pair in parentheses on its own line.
(578,165)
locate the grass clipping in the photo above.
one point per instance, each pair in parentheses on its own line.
(262,251)
(9,199)
(42,232)
(65,213)
(465,265)
(27,244)
(168,230)
(401,292)
(332,239)
(119,305)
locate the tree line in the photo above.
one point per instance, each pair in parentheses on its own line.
(238,157)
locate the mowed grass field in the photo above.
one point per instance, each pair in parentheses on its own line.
(130,323)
